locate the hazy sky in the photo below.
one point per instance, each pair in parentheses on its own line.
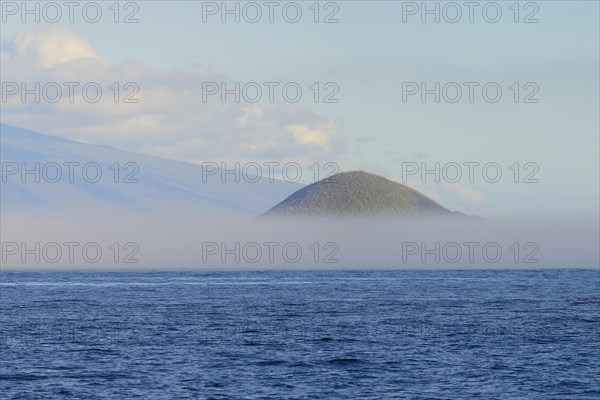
(370,55)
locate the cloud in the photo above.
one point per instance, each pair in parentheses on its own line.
(51,46)
(160,113)
(305,135)
(465,193)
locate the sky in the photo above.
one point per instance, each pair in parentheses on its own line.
(367,62)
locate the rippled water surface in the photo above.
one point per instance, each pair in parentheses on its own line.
(301,335)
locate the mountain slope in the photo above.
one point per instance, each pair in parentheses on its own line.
(357,194)
(162,184)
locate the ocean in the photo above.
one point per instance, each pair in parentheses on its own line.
(410,334)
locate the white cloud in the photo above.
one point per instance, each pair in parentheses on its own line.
(51,46)
(320,135)
(169,118)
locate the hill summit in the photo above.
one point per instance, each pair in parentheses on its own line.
(358,194)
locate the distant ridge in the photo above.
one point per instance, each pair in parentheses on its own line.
(358,194)
(154,184)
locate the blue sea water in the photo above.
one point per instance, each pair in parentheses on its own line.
(486,334)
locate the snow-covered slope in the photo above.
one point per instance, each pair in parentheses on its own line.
(143,183)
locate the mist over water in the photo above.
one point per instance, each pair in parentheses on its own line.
(177,240)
